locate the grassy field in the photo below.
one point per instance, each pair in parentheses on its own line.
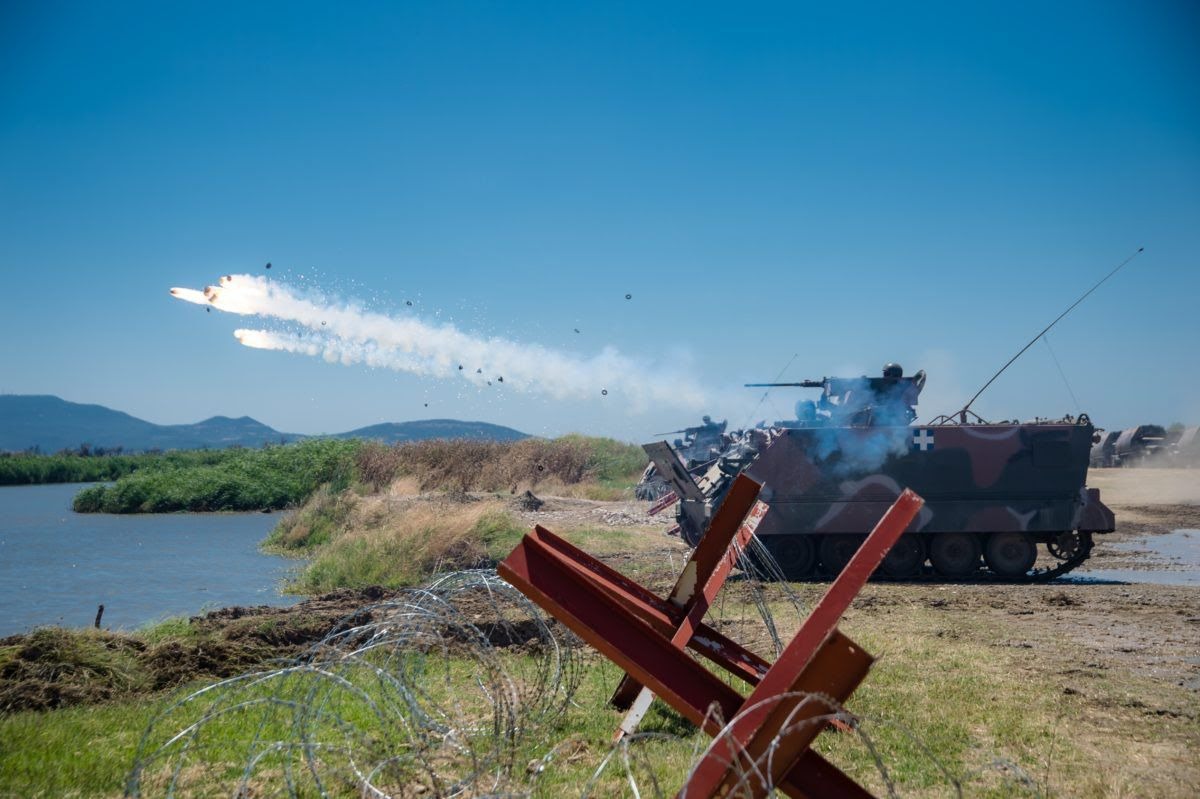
(940,712)
(973,720)
(965,693)
(1079,690)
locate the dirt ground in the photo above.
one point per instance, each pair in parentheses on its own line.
(1126,654)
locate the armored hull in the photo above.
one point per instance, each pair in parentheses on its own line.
(1001,500)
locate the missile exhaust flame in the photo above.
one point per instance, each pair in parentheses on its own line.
(190,295)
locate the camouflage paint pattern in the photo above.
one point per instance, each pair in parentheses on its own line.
(980,479)
(974,478)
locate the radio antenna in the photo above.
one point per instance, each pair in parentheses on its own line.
(962,414)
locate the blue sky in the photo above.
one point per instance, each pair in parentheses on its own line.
(847,185)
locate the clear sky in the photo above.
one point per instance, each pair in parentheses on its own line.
(822,187)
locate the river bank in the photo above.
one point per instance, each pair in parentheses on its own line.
(58,566)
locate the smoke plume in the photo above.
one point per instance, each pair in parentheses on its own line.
(348,334)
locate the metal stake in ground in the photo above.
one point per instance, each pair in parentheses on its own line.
(698,584)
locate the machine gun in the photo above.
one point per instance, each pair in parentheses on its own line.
(709,427)
(890,399)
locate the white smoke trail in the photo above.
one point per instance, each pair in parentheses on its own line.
(347,334)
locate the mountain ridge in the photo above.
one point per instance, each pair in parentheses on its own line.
(48,423)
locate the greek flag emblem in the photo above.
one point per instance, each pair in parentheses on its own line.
(922,439)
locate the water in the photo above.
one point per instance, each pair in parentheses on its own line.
(56,565)
(1171,559)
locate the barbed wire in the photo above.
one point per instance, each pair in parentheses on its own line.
(431,694)
(445,691)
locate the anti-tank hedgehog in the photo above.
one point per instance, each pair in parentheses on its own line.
(1006,500)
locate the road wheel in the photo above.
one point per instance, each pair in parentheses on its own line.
(906,557)
(836,551)
(795,554)
(954,554)
(1065,545)
(1010,554)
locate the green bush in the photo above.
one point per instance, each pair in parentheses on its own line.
(280,477)
(64,468)
(230,480)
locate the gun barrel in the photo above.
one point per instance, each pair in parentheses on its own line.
(801,384)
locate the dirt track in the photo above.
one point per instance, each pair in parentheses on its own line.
(1149,629)
(1125,655)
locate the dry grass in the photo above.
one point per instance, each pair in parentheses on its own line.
(53,667)
(490,466)
(420,518)
(398,544)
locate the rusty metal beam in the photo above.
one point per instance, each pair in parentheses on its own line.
(660,614)
(767,739)
(616,632)
(713,773)
(667,462)
(696,693)
(637,698)
(665,501)
(699,582)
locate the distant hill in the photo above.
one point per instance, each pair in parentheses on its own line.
(396,432)
(51,424)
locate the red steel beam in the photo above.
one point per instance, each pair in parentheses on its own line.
(713,775)
(702,577)
(601,620)
(638,698)
(616,632)
(659,614)
(665,501)
(792,720)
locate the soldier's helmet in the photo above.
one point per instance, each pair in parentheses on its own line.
(707,420)
(893,370)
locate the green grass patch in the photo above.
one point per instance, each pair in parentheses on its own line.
(75,752)
(172,628)
(323,516)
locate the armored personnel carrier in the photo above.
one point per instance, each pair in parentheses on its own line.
(1002,500)
(699,445)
